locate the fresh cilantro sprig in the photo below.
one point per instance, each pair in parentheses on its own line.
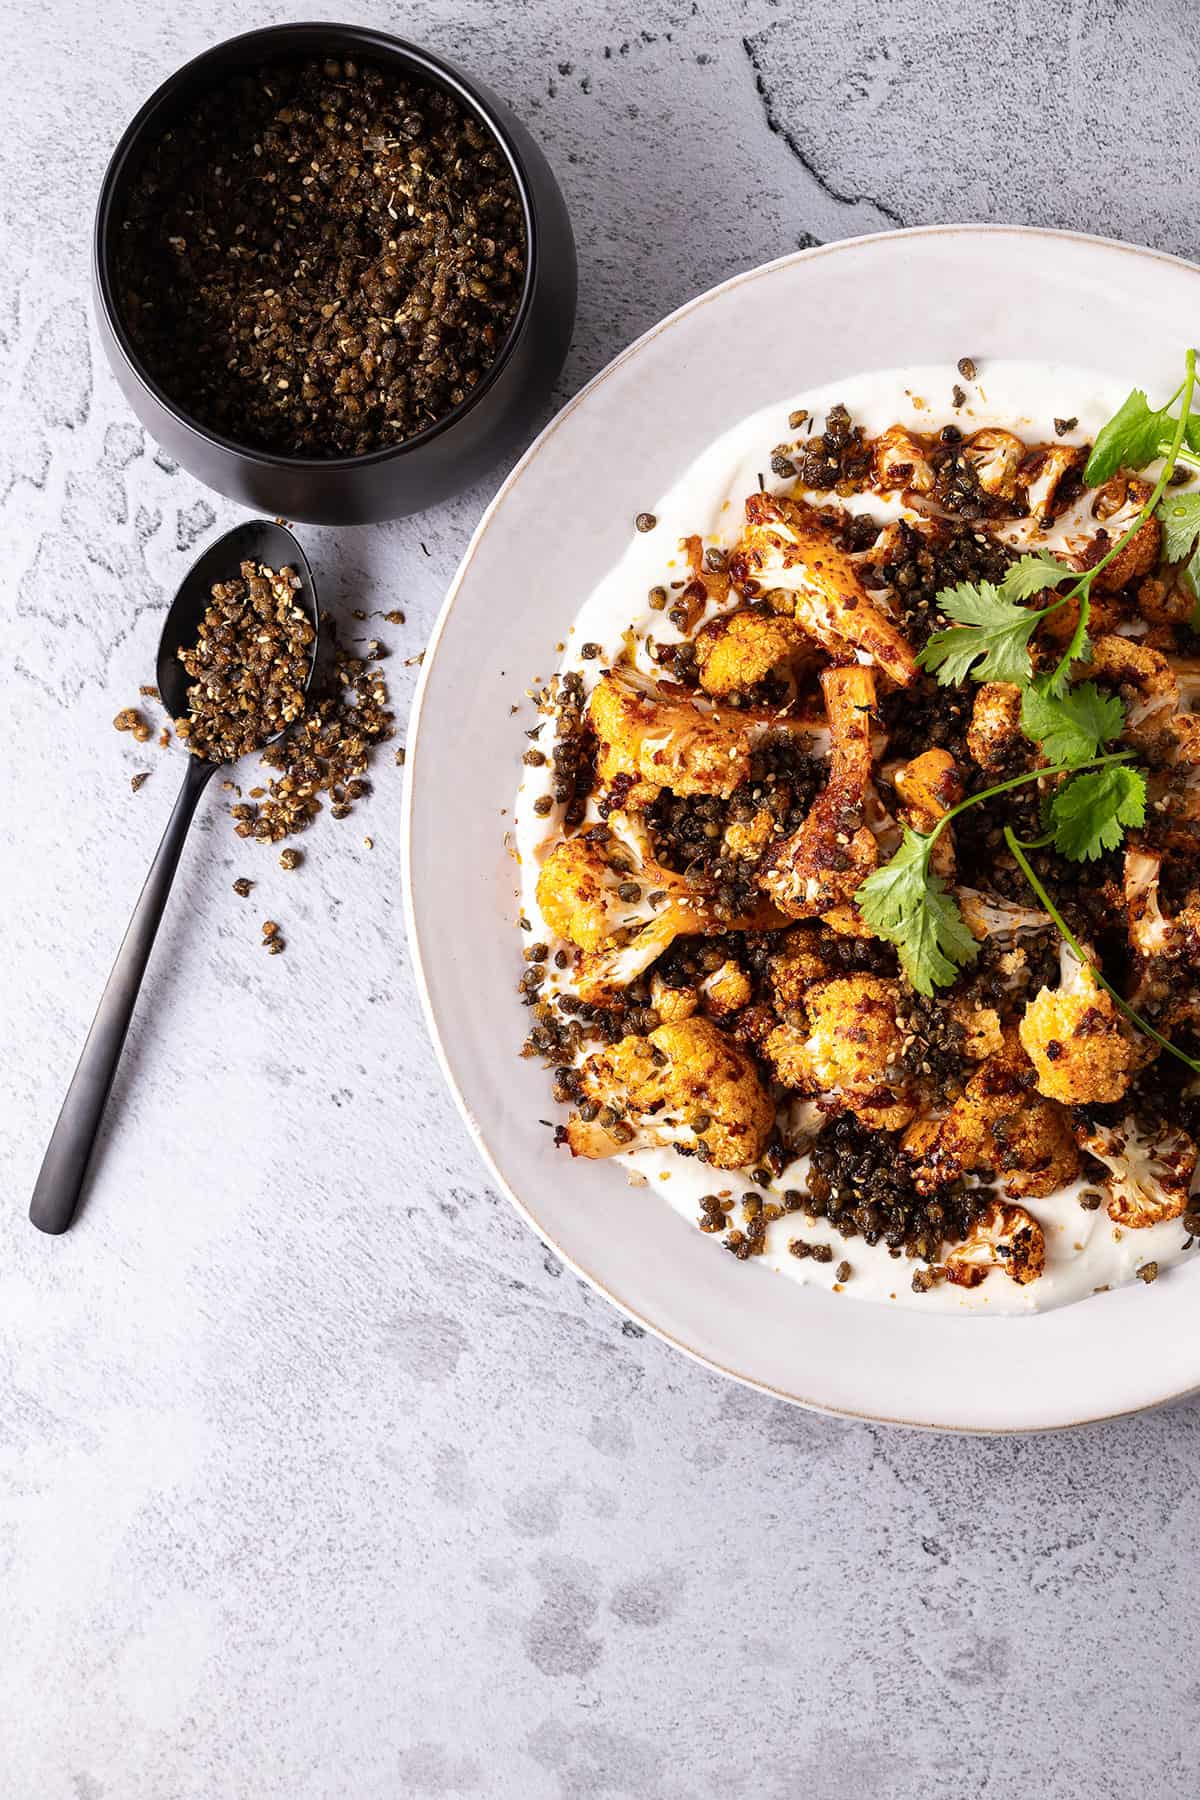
(1136,435)
(907,903)
(992,630)
(1180,517)
(989,640)
(1032,575)
(1074,727)
(1087,815)
(1090,815)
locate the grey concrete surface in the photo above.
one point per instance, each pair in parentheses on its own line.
(320,1477)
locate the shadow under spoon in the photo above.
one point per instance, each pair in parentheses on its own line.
(64,1166)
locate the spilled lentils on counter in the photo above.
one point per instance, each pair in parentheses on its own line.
(251,691)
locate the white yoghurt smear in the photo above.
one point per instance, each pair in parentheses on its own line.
(1085,1251)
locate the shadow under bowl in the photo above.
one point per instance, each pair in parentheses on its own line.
(496,417)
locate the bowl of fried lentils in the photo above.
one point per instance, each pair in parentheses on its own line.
(334,276)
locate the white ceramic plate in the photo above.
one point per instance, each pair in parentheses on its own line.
(559,522)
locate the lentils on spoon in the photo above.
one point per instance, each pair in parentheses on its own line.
(249,664)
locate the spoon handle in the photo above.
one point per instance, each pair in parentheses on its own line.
(60,1180)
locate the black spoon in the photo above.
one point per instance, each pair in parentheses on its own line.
(64,1165)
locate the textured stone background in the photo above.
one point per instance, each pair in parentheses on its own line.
(320,1477)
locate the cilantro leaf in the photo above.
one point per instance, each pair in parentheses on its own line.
(1032,575)
(988,641)
(907,903)
(1089,813)
(1134,436)
(1071,728)
(1129,440)
(1192,576)
(1180,516)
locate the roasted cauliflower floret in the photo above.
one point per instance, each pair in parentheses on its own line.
(686,1083)
(995,457)
(652,735)
(1157,694)
(657,736)
(672,1003)
(577,893)
(748,838)
(853,1035)
(785,547)
(604,892)
(927,788)
(1077,1040)
(994,734)
(1042,475)
(1141,676)
(847,1051)
(802,959)
(901,461)
(1000,1123)
(999,921)
(983,1035)
(1151,932)
(726,990)
(1116,506)
(1004,1237)
(741,649)
(1164,601)
(1149,1179)
(825,861)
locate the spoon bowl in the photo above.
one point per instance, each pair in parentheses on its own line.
(64,1166)
(262,541)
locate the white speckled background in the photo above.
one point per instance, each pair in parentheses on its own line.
(319,1477)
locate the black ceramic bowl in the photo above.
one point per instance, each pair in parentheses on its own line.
(499,413)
